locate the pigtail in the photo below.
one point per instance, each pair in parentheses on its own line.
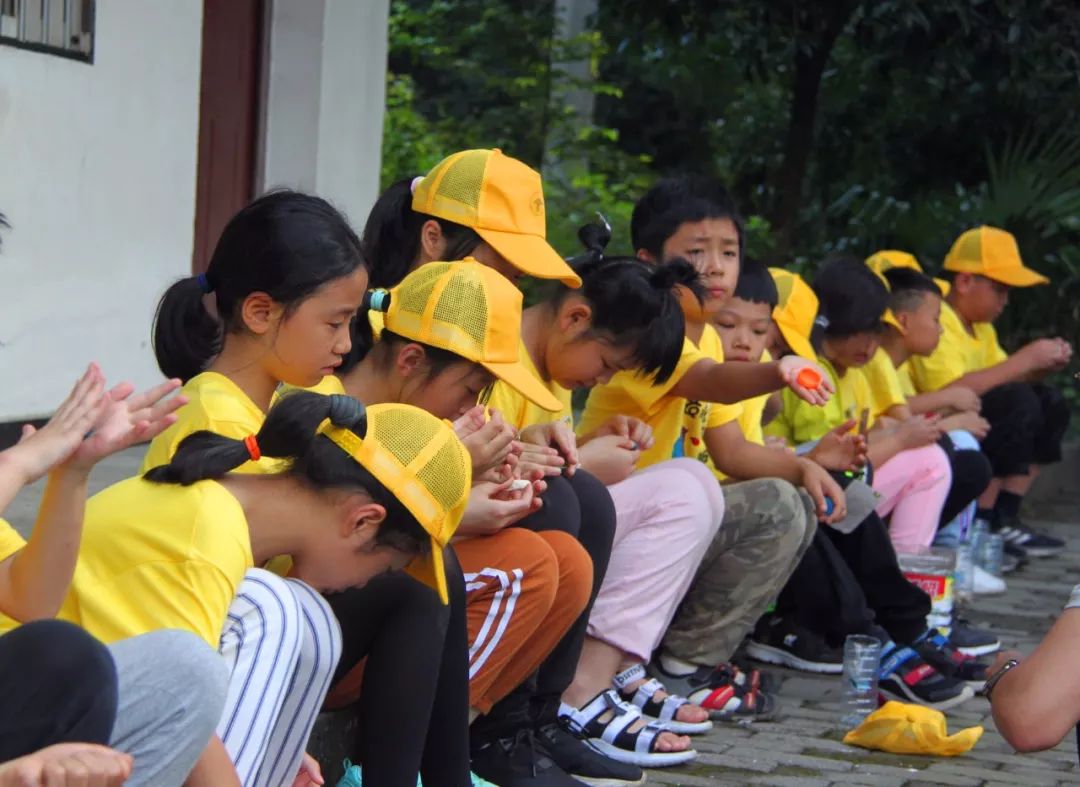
(185,335)
(391,237)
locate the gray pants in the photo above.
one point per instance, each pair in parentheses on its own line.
(171,693)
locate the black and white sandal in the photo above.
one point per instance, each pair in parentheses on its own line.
(662,711)
(612,738)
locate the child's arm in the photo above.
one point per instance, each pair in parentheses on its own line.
(1033,360)
(915,432)
(954,397)
(34,581)
(213,768)
(736,457)
(735,381)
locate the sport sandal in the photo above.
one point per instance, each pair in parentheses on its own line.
(612,737)
(663,710)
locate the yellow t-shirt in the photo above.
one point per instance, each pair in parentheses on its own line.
(958,353)
(10,541)
(886,391)
(518,411)
(217,404)
(903,373)
(327,386)
(753,410)
(156,556)
(678,424)
(801,422)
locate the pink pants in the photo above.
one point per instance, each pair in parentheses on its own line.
(666,517)
(914,484)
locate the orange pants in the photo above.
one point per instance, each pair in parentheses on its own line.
(524,590)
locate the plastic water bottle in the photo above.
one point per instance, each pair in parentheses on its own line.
(964,573)
(862,659)
(992,553)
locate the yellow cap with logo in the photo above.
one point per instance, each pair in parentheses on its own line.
(470,310)
(795,311)
(881,261)
(503,200)
(421,462)
(993,253)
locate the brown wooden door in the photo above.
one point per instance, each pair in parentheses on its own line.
(228,117)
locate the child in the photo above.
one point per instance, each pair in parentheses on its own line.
(912,473)
(851,582)
(1027,418)
(171,549)
(61,685)
(766,524)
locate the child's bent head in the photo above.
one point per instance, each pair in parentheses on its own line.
(915,301)
(390,483)
(852,304)
(693,218)
(286,272)
(744,321)
(626,315)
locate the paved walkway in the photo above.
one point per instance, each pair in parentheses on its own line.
(803,745)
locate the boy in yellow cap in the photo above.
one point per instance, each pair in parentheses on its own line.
(1027,418)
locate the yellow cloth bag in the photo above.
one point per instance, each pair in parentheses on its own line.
(901,728)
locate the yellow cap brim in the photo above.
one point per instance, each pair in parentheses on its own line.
(798,343)
(890,319)
(944,286)
(532,255)
(1017,277)
(430,570)
(525,383)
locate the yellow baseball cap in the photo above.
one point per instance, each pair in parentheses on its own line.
(795,311)
(503,200)
(881,261)
(470,310)
(992,253)
(421,462)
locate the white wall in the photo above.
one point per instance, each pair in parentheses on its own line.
(97,177)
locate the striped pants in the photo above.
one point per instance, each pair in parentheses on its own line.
(281,644)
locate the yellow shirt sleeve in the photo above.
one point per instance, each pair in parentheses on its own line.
(903,373)
(10,540)
(884,384)
(958,353)
(713,347)
(519,411)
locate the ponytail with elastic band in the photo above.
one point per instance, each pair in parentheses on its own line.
(376,301)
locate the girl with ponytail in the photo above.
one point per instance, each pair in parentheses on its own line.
(175,548)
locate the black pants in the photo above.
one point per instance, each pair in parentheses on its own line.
(58,685)
(971,474)
(581,506)
(414,706)
(1027,424)
(851,584)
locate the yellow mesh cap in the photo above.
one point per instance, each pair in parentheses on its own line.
(795,311)
(888,317)
(503,200)
(993,253)
(472,311)
(421,462)
(881,261)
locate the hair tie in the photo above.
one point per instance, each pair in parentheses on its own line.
(252,446)
(822,321)
(204,283)
(377,300)
(345,411)
(415,183)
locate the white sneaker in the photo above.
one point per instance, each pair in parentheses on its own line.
(986,584)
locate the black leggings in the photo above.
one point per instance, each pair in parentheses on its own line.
(58,685)
(1027,424)
(851,584)
(414,705)
(581,506)
(971,474)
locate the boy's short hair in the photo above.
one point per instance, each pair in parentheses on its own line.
(756,284)
(852,299)
(673,202)
(908,287)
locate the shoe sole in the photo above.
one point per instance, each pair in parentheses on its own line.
(771,655)
(660,759)
(593,781)
(994,592)
(980,650)
(681,727)
(906,695)
(1043,552)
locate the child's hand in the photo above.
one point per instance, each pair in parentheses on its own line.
(538,461)
(627,426)
(791,365)
(611,458)
(841,449)
(558,435)
(489,443)
(819,484)
(919,431)
(38,451)
(964,399)
(125,420)
(777,443)
(68,765)
(492,507)
(1044,355)
(309,774)
(972,422)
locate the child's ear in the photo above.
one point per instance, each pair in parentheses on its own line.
(646,256)
(260,312)
(575,316)
(361,518)
(432,241)
(410,359)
